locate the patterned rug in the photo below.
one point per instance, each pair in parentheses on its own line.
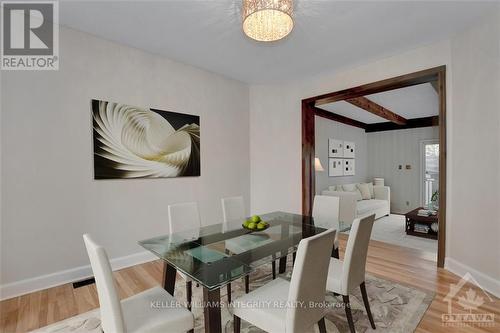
(396,308)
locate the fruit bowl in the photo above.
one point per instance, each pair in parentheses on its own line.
(256,229)
(255,223)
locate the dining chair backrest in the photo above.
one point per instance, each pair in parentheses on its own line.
(183,217)
(326,211)
(233,208)
(110,307)
(356,252)
(308,281)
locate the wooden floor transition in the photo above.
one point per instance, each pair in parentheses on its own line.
(403,265)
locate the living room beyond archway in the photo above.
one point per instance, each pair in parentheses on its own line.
(419,182)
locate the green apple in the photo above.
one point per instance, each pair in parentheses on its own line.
(246,223)
(252,225)
(261,225)
(255,218)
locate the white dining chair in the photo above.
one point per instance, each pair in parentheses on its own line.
(344,276)
(326,214)
(264,308)
(184,218)
(133,314)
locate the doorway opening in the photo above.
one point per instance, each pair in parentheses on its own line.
(429,177)
(428,157)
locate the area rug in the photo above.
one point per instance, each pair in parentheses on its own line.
(395,307)
(391,229)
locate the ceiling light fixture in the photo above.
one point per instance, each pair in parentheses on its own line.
(267,20)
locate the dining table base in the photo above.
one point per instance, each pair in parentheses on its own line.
(211,310)
(169,276)
(211,300)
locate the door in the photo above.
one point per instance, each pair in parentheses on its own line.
(429,172)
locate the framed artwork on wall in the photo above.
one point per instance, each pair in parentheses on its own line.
(138,142)
(349,149)
(335,148)
(335,166)
(349,167)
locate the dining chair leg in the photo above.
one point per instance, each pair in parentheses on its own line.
(247,284)
(335,253)
(348,313)
(236,324)
(322,325)
(274,269)
(229,292)
(362,286)
(189,293)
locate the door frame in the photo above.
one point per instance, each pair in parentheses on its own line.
(435,75)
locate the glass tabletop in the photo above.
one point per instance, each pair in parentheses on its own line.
(217,254)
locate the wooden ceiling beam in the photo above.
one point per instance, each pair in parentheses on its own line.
(402,81)
(339,118)
(377,109)
(412,123)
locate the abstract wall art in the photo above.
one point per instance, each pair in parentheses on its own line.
(134,142)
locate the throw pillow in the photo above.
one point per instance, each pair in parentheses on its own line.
(365,191)
(372,192)
(353,188)
(349,187)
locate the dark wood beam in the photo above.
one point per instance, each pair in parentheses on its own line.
(411,123)
(339,118)
(308,154)
(377,109)
(434,85)
(402,81)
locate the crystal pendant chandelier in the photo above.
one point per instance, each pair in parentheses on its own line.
(267,20)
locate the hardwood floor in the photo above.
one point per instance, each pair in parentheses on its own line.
(391,262)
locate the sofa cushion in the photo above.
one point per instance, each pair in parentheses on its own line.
(349,187)
(366,206)
(365,191)
(337,188)
(353,188)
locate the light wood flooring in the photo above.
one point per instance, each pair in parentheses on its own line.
(391,262)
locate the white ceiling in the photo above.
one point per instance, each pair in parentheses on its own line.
(328,34)
(411,102)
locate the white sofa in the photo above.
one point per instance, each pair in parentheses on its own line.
(351,207)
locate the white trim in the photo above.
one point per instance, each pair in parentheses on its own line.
(74,274)
(486,282)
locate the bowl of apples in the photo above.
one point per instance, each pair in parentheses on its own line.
(255,223)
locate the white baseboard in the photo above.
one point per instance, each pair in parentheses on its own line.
(486,282)
(71,275)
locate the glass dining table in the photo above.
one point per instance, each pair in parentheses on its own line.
(218,254)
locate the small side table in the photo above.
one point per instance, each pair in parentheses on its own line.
(413,218)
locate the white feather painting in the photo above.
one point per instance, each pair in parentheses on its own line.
(133,142)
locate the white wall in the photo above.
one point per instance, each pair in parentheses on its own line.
(49,196)
(474,220)
(472,102)
(389,149)
(325,129)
